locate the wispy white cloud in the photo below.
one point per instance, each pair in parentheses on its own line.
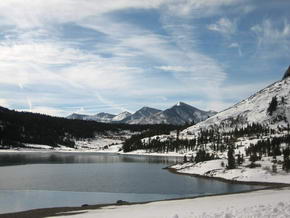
(268,32)
(200,9)
(236,45)
(153,46)
(32,14)
(173,68)
(224,26)
(272,35)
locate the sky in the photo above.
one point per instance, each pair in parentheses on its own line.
(86,56)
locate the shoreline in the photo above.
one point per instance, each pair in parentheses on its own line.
(268,184)
(90,151)
(66,211)
(56,151)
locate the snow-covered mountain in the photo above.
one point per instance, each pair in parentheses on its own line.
(121,116)
(141,115)
(100,117)
(179,114)
(255,109)
(76,116)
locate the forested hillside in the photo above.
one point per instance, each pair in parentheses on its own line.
(17,128)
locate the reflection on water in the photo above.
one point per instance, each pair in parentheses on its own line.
(34,180)
(16,158)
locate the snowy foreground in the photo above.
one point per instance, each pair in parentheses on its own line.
(265,203)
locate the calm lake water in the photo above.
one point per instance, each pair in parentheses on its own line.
(42,180)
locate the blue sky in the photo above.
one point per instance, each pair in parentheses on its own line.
(87,56)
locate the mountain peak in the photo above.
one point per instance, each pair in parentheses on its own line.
(76,116)
(101,114)
(180,103)
(287,73)
(146,108)
(121,116)
(182,113)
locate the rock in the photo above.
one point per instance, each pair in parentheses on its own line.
(287,73)
(121,202)
(85,205)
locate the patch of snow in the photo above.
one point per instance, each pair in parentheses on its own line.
(145,153)
(38,146)
(121,116)
(217,169)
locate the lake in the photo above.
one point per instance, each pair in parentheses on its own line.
(30,180)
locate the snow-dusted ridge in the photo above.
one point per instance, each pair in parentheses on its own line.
(179,114)
(252,110)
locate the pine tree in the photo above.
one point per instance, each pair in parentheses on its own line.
(272,106)
(231,158)
(286,156)
(184,159)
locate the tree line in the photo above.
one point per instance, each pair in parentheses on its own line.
(217,141)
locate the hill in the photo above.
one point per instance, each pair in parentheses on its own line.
(19,128)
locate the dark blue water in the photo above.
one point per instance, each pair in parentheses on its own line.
(42,180)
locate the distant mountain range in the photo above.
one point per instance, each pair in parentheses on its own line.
(178,114)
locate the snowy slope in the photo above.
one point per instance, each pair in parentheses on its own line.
(121,116)
(102,117)
(252,110)
(179,114)
(76,116)
(141,115)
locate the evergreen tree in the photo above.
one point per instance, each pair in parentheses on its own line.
(286,157)
(240,159)
(272,106)
(231,158)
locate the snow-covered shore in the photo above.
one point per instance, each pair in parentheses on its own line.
(217,169)
(99,145)
(144,153)
(114,149)
(264,203)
